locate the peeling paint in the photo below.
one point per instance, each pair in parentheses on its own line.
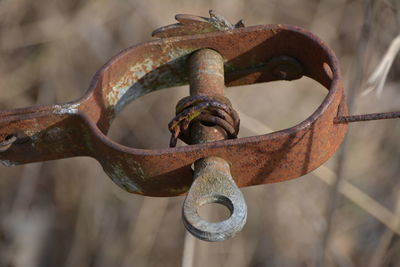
(66,109)
(147,76)
(117,173)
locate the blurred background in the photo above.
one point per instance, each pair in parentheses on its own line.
(69,213)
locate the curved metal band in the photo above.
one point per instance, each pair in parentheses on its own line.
(79,128)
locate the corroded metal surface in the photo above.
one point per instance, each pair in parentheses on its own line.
(368,117)
(79,128)
(213,182)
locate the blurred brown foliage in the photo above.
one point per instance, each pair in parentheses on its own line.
(69,213)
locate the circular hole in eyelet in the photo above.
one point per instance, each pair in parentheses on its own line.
(215,209)
(214,212)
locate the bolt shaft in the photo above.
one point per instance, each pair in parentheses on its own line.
(213,182)
(206,68)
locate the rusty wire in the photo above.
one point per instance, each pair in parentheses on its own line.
(214,110)
(368,117)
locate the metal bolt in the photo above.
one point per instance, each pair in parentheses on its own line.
(213,182)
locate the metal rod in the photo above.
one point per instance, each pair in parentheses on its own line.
(368,117)
(206,68)
(213,182)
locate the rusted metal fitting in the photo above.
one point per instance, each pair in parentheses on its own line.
(79,128)
(250,55)
(213,182)
(219,54)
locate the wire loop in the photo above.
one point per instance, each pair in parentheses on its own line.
(216,110)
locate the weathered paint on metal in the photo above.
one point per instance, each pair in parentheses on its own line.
(138,70)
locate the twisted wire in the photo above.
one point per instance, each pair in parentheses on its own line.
(216,110)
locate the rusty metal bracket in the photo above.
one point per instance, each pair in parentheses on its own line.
(250,54)
(209,53)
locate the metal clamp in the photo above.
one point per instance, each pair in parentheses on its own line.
(218,54)
(250,55)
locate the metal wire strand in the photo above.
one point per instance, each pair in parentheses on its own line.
(214,110)
(368,117)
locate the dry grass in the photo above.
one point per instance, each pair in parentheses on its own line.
(69,213)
